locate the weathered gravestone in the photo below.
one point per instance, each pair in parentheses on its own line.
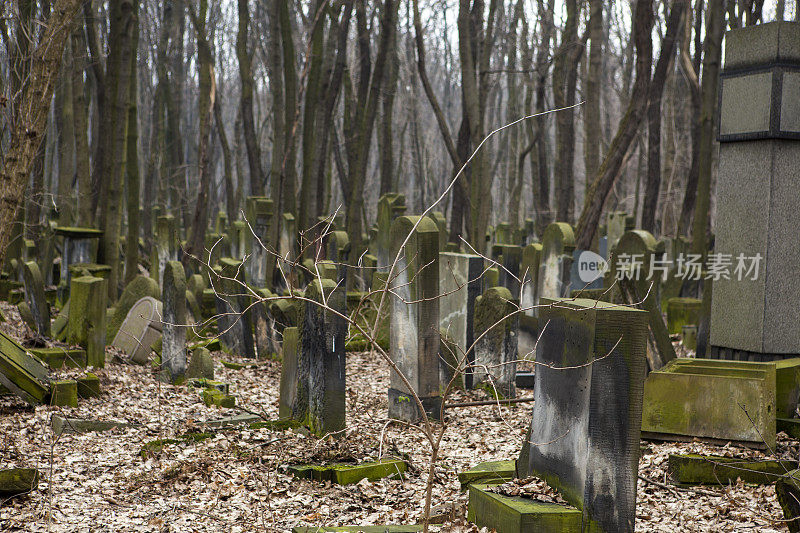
(460,285)
(138,288)
(288,404)
(166,245)
(337,245)
(630,267)
(390,206)
(414,318)
(288,251)
(496,325)
(140,330)
(22,373)
(321,359)
(258,210)
(509,270)
(86,325)
(36,298)
(584,438)
(234,323)
(173,348)
(528,273)
(618,222)
(754,310)
(201,365)
(555,262)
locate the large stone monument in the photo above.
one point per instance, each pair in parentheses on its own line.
(754,311)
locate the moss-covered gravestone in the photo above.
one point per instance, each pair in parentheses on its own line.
(528,274)
(87,318)
(21,372)
(460,285)
(166,245)
(496,331)
(584,438)
(390,206)
(173,348)
(288,405)
(140,330)
(14,481)
(235,325)
(36,298)
(682,312)
(787,489)
(555,263)
(414,318)
(321,359)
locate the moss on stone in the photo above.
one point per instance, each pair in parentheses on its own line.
(134,291)
(64,393)
(512,514)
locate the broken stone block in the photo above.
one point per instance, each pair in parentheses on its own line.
(210,384)
(787,489)
(201,364)
(15,481)
(140,330)
(26,315)
(682,312)
(87,318)
(21,372)
(216,397)
(345,474)
(89,386)
(78,425)
(513,514)
(64,393)
(488,473)
(711,399)
(693,469)
(787,387)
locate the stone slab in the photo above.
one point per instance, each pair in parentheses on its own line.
(488,473)
(80,425)
(507,514)
(21,372)
(345,474)
(693,469)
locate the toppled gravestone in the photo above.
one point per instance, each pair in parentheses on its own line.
(140,330)
(22,373)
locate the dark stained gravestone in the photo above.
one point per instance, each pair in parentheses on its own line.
(509,274)
(234,324)
(528,274)
(173,348)
(80,246)
(321,361)
(288,407)
(390,206)
(555,263)
(36,298)
(414,318)
(584,438)
(496,328)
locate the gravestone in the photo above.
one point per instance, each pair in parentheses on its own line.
(682,312)
(288,405)
(138,288)
(390,206)
(140,330)
(166,244)
(321,358)
(617,224)
(636,251)
(258,210)
(460,285)
(496,331)
(86,325)
(558,242)
(173,348)
(509,274)
(584,438)
(80,246)
(201,365)
(35,297)
(21,372)
(754,310)
(288,251)
(337,245)
(234,323)
(528,325)
(414,318)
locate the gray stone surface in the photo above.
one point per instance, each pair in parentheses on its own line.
(140,330)
(762,44)
(234,324)
(555,264)
(173,350)
(496,331)
(414,318)
(745,104)
(36,298)
(287,403)
(790,109)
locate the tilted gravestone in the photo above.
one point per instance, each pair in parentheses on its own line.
(140,330)
(86,325)
(135,290)
(496,328)
(321,358)
(460,285)
(234,321)
(558,242)
(414,318)
(288,405)
(754,310)
(584,438)
(35,297)
(173,348)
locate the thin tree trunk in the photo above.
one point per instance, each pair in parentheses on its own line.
(246,102)
(132,163)
(594,93)
(80,111)
(66,141)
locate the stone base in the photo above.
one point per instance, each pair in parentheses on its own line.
(15,481)
(215,397)
(345,474)
(734,354)
(403,407)
(507,514)
(525,380)
(89,386)
(488,473)
(64,393)
(692,469)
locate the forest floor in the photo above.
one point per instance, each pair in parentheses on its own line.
(237,479)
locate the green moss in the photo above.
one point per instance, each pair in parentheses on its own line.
(64,393)
(488,473)
(216,397)
(155,447)
(693,469)
(232,365)
(509,514)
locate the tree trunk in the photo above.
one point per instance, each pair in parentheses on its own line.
(66,141)
(246,102)
(594,92)
(132,164)
(80,111)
